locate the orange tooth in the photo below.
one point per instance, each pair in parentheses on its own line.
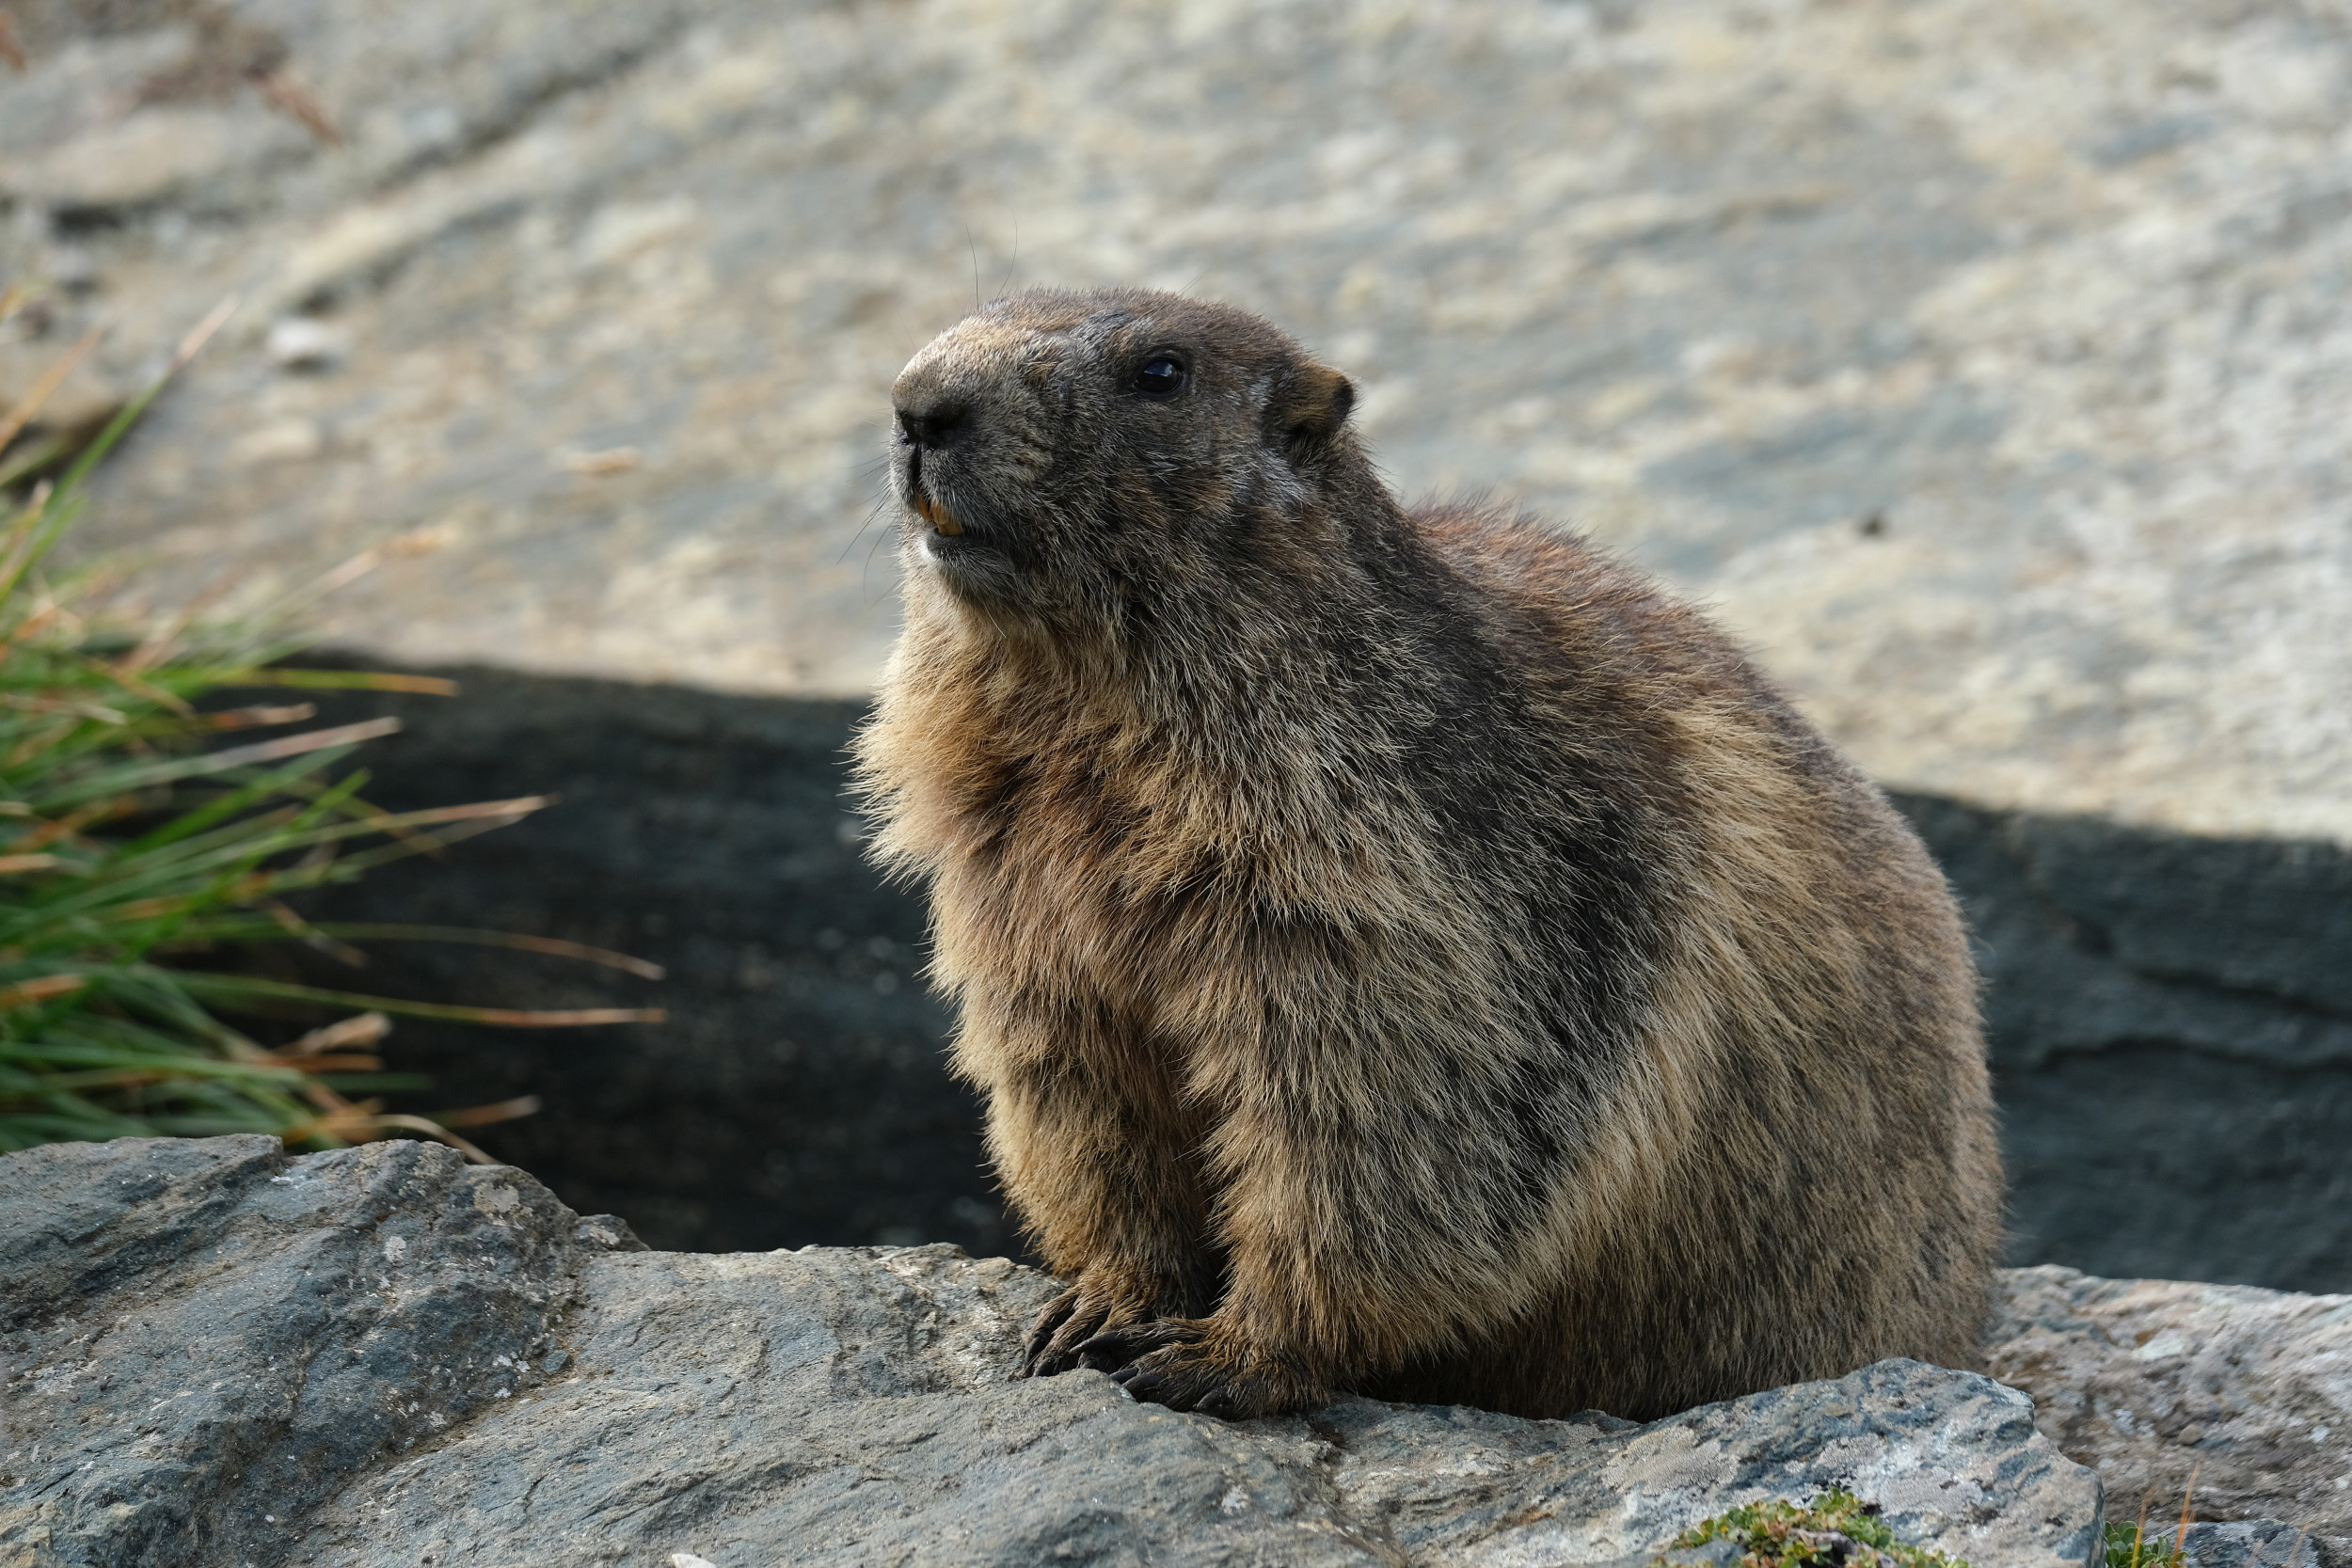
(937,515)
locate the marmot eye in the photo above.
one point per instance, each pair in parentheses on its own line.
(1161,376)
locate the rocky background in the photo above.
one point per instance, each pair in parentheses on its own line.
(1983,360)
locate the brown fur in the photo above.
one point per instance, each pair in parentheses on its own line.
(1404,952)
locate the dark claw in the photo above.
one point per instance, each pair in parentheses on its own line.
(1040,1360)
(1095,1356)
(1144,1385)
(1217,1402)
(1115,1348)
(1051,1363)
(1042,1332)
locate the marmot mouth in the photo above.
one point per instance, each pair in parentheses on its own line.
(941,520)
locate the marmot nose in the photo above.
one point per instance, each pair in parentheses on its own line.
(935,424)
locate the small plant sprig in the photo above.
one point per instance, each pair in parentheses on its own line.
(2129,1546)
(127,833)
(1837,1530)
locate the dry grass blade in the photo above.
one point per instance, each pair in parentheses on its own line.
(258,718)
(50,380)
(24,993)
(434,1129)
(515,809)
(343,680)
(198,335)
(125,779)
(559,1017)
(246,986)
(366,1029)
(126,671)
(484,1116)
(351,571)
(554,946)
(295,745)
(303,931)
(35,701)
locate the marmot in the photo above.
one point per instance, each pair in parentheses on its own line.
(1405,952)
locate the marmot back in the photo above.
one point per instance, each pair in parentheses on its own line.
(1404,952)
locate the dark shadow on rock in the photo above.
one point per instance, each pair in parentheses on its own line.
(797,1093)
(2170,1022)
(2172,1029)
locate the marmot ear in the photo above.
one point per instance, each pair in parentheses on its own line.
(1310,409)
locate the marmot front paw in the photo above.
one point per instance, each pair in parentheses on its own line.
(1100,1300)
(1201,1363)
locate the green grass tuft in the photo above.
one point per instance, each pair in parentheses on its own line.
(1837,1530)
(129,833)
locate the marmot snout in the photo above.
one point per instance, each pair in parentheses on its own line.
(1405,952)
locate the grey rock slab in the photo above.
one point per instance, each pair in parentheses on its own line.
(2249,1544)
(1944,1454)
(2154,1381)
(408,86)
(190,1374)
(857,1407)
(2273,919)
(76,1224)
(380,1355)
(1983,360)
(828,1405)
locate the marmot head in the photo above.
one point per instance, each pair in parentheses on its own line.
(1070,457)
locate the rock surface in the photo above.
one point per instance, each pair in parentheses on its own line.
(1983,359)
(2244,1395)
(202,1334)
(2251,1543)
(217,1355)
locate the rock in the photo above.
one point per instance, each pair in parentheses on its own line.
(379,1356)
(2265,1544)
(2149,1381)
(1982,360)
(203,1337)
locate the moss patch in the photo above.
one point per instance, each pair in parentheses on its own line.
(1837,1530)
